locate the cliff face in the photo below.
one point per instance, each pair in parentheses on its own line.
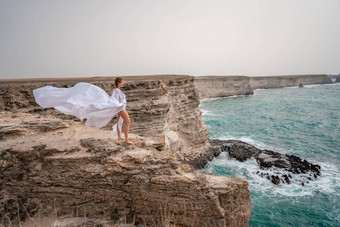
(51,164)
(222,86)
(169,109)
(288,81)
(160,107)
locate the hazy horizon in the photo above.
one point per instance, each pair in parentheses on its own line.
(44,39)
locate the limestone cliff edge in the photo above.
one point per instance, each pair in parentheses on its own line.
(55,170)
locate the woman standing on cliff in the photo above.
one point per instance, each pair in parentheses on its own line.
(85,100)
(123,114)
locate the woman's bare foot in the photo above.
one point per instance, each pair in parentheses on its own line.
(120,138)
(128,141)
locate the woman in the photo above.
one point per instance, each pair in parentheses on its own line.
(85,100)
(119,95)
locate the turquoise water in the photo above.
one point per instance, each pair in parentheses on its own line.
(299,121)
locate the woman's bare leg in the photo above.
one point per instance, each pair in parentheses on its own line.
(124,114)
(118,132)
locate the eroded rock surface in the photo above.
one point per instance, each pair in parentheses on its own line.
(52,165)
(222,86)
(290,164)
(159,106)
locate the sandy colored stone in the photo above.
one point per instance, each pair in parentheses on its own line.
(51,164)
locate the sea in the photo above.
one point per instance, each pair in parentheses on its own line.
(299,121)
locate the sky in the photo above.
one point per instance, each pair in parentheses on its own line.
(77,38)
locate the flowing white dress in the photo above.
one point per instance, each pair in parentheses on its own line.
(84,100)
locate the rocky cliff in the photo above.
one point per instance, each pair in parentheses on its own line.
(288,81)
(222,86)
(158,106)
(52,166)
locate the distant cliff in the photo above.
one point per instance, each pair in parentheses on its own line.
(52,165)
(221,86)
(288,81)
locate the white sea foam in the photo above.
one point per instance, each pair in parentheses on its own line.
(320,85)
(224,97)
(260,89)
(332,84)
(206,112)
(295,87)
(312,85)
(330,178)
(217,98)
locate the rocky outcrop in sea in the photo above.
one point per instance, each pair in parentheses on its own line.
(276,167)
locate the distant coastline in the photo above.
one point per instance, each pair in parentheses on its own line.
(209,86)
(223,86)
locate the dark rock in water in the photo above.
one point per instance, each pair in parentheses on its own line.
(275,180)
(242,151)
(337,79)
(266,159)
(286,178)
(300,85)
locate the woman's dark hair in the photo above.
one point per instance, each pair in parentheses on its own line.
(117,81)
